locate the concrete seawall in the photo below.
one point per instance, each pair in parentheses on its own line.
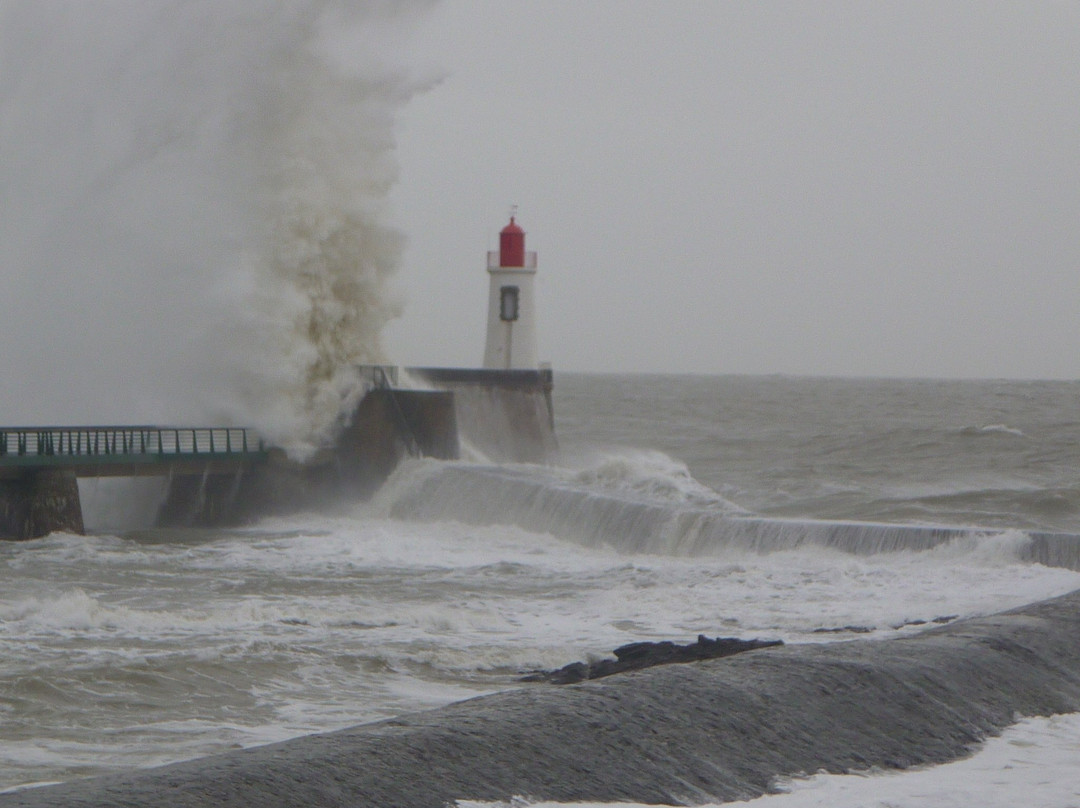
(386,427)
(506,415)
(706,731)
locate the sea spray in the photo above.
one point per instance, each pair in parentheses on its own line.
(193,197)
(319,273)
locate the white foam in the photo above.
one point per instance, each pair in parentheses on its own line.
(645,473)
(984,548)
(1001,429)
(318,622)
(314,622)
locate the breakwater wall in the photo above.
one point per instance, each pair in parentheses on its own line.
(486,495)
(715,730)
(387,426)
(507,415)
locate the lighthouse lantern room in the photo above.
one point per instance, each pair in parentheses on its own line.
(511,326)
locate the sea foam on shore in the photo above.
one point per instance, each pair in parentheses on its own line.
(704,732)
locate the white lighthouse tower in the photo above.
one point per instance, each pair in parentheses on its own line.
(511,326)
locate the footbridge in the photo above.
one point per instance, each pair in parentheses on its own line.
(40,466)
(102,451)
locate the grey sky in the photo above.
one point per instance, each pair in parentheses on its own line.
(809,188)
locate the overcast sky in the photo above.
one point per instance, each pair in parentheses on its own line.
(198,197)
(850,188)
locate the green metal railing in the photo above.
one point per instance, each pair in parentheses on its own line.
(72,445)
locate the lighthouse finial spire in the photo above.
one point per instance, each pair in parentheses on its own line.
(513,212)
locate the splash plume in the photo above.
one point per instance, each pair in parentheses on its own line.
(196,193)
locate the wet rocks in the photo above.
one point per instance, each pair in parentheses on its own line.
(638,655)
(851,629)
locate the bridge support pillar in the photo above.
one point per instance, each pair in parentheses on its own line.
(200,500)
(39,503)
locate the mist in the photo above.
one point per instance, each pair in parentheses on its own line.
(193,193)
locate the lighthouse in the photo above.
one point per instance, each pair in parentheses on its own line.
(511,325)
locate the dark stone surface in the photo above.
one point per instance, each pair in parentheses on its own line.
(714,730)
(38,503)
(639,655)
(387,426)
(870,629)
(54,503)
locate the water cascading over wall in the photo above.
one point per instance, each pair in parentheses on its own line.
(505,415)
(556,501)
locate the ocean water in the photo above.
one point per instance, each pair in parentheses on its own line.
(250,142)
(679,506)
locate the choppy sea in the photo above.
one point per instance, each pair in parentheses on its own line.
(808,510)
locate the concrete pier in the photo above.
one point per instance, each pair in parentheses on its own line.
(225,476)
(387,426)
(508,415)
(505,414)
(38,502)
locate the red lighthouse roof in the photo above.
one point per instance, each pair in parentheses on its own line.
(512,245)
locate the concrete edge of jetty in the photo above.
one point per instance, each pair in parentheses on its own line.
(507,415)
(715,730)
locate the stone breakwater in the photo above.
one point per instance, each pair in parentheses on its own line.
(706,731)
(639,655)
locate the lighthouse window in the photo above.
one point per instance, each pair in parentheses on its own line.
(508,303)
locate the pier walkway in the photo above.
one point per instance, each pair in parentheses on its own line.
(40,466)
(101,451)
